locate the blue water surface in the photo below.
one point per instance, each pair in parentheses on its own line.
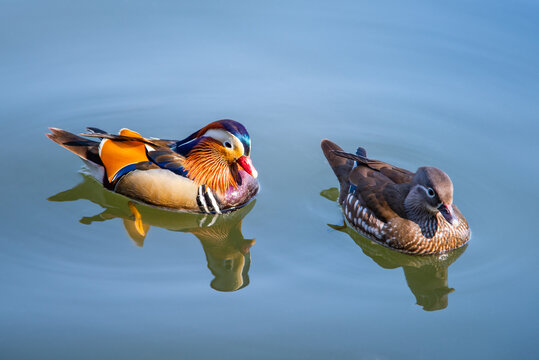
(449,84)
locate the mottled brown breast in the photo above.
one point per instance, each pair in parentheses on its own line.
(402,234)
(407,236)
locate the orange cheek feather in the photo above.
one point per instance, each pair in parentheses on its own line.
(118,154)
(206,164)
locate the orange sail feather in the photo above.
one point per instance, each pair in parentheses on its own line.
(118,154)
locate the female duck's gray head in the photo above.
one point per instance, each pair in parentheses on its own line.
(431,192)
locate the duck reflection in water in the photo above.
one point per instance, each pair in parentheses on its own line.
(227,251)
(426,276)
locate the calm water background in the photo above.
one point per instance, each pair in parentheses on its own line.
(452,84)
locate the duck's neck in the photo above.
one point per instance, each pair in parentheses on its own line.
(416,212)
(205,165)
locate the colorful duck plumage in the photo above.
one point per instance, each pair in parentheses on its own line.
(410,212)
(209,171)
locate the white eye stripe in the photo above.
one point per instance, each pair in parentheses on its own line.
(225,137)
(218,134)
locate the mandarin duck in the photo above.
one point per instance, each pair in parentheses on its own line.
(409,212)
(209,171)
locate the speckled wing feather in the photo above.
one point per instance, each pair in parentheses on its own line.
(379,185)
(376,195)
(375,205)
(370,189)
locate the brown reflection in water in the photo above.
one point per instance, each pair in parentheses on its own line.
(426,276)
(227,250)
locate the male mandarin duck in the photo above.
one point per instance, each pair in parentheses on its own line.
(409,212)
(209,171)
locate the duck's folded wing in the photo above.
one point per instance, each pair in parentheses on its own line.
(168,159)
(371,188)
(396,174)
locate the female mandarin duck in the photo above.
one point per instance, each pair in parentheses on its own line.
(410,212)
(209,171)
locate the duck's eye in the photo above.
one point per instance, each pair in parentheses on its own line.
(228,144)
(430,192)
